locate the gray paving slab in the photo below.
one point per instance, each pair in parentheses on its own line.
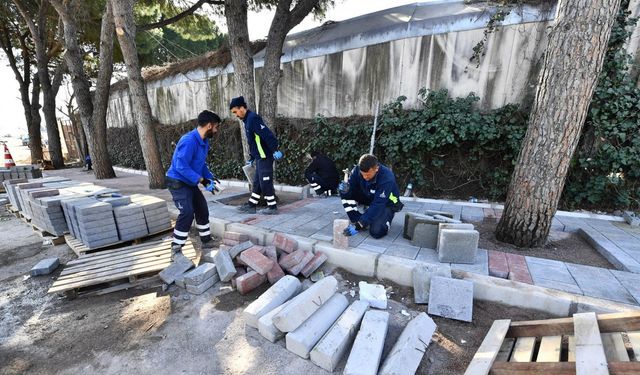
(553,284)
(480,266)
(631,281)
(548,269)
(451,298)
(372,248)
(471,213)
(427,255)
(599,283)
(322,237)
(409,252)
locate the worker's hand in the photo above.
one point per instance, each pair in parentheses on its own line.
(353,229)
(209,184)
(343,187)
(277,155)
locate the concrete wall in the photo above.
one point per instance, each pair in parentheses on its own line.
(341,82)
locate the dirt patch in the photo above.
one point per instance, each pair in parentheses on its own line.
(562,246)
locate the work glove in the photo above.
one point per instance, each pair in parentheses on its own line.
(249,162)
(343,187)
(353,229)
(277,155)
(210,184)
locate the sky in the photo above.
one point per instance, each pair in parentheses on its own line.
(11,110)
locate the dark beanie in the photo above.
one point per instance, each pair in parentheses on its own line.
(206,117)
(237,102)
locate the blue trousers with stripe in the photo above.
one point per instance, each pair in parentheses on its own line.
(263,183)
(191,203)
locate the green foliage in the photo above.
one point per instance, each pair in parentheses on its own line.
(606,170)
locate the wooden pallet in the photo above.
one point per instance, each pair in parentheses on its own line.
(587,344)
(80,248)
(55,239)
(117,269)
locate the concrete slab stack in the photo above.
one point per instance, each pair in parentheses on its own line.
(156,212)
(20,172)
(130,221)
(96,224)
(9,187)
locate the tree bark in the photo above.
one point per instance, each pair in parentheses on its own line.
(39,35)
(93,122)
(284,20)
(572,64)
(241,55)
(126,32)
(35,137)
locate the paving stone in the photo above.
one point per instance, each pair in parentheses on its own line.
(318,259)
(427,256)
(548,269)
(551,284)
(373,248)
(631,281)
(498,266)
(600,283)
(201,273)
(275,273)
(451,298)
(340,241)
(458,245)
(365,355)
(229,242)
(447,219)
(409,252)
(334,344)
(302,340)
(518,269)
(422,280)
(45,266)
(406,354)
(305,304)
(411,219)
(249,281)
(240,237)
(207,256)
(295,261)
(93,208)
(470,213)
(258,262)
(238,248)
(438,211)
(271,253)
(224,265)
(285,243)
(117,201)
(239,272)
(480,266)
(180,265)
(266,327)
(279,293)
(204,286)
(425,235)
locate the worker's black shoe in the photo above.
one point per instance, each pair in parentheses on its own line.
(176,250)
(247,208)
(269,211)
(209,245)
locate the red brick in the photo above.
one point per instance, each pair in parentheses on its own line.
(271,253)
(284,243)
(254,259)
(249,281)
(239,272)
(230,242)
(498,266)
(259,248)
(275,274)
(313,264)
(518,269)
(295,262)
(235,236)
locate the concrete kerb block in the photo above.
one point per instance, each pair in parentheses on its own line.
(398,270)
(283,290)
(458,245)
(305,304)
(422,280)
(406,354)
(256,234)
(366,352)
(236,250)
(180,265)
(360,262)
(45,267)
(204,286)
(217,226)
(266,327)
(451,298)
(224,265)
(333,345)
(302,340)
(201,273)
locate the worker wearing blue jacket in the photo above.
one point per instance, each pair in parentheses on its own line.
(263,148)
(188,169)
(371,184)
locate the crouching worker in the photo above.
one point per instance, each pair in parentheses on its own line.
(322,174)
(374,185)
(188,169)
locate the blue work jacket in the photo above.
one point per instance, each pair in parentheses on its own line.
(189,161)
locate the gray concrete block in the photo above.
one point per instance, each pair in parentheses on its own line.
(305,304)
(234,251)
(447,219)
(458,245)
(412,219)
(117,201)
(451,298)
(266,327)
(442,226)
(45,267)
(132,236)
(97,230)
(304,338)
(131,220)
(334,344)
(450,215)
(422,279)
(155,219)
(425,235)
(366,352)
(201,273)
(180,265)
(224,265)
(93,208)
(203,287)
(407,352)
(86,219)
(208,256)
(151,213)
(280,292)
(180,281)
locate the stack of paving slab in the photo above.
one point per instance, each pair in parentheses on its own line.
(91,221)
(20,172)
(455,242)
(155,211)
(321,325)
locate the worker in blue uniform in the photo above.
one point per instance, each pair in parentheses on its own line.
(188,169)
(371,184)
(263,150)
(322,174)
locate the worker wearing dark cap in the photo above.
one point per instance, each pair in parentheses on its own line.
(263,147)
(188,169)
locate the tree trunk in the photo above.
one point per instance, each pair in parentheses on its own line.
(33,127)
(96,139)
(126,31)
(240,47)
(572,64)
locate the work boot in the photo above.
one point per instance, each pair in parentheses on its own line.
(209,245)
(176,250)
(247,208)
(269,211)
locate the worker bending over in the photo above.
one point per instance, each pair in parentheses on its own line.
(322,174)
